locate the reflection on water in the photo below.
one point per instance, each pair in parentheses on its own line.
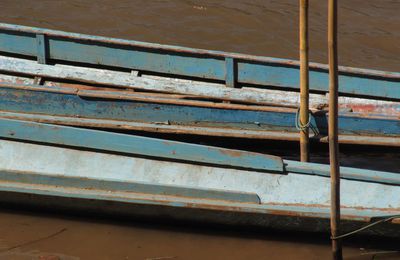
(369,38)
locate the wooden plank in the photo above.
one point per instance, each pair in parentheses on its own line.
(41,48)
(230,77)
(120,79)
(308,195)
(345,172)
(32,178)
(103,105)
(333,136)
(317,102)
(137,145)
(304,111)
(199,89)
(195,130)
(200,64)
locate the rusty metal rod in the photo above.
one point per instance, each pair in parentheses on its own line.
(333,129)
(304,83)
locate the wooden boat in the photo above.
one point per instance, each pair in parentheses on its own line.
(103,171)
(56,87)
(80,80)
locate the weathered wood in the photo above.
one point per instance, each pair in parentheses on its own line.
(41,48)
(137,145)
(181,87)
(31,178)
(136,111)
(345,172)
(333,129)
(230,77)
(160,149)
(126,80)
(290,201)
(195,130)
(304,83)
(193,63)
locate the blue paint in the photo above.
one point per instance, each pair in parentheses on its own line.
(17,42)
(130,144)
(230,76)
(136,59)
(114,185)
(288,77)
(261,71)
(71,105)
(41,48)
(194,63)
(345,172)
(270,212)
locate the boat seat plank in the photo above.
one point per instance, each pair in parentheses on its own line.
(138,145)
(108,185)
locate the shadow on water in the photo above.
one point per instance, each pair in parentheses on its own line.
(190,227)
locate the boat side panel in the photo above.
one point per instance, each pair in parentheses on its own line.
(71,105)
(75,106)
(139,212)
(27,179)
(137,145)
(18,43)
(288,77)
(291,189)
(192,64)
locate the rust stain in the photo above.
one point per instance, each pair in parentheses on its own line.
(231,153)
(209,131)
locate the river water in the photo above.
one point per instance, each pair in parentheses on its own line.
(369,38)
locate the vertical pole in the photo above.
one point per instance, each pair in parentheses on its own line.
(333,128)
(304,83)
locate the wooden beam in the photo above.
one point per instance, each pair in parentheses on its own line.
(194,63)
(126,80)
(213,91)
(138,145)
(333,129)
(304,84)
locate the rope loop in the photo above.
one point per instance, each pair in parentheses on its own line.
(299,125)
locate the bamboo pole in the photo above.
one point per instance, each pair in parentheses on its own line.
(333,129)
(304,83)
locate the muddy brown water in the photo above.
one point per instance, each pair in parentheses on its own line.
(369,30)
(369,38)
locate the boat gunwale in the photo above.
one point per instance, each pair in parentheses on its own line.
(126,95)
(295,210)
(196,51)
(53,135)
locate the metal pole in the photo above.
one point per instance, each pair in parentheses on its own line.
(304,83)
(333,129)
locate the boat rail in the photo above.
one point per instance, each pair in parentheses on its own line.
(235,70)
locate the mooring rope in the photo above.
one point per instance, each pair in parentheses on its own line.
(299,125)
(387,219)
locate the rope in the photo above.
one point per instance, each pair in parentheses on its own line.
(299,125)
(366,227)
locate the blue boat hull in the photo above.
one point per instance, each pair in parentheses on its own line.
(52,80)
(49,45)
(92,81)
(65,106)
(169,179)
